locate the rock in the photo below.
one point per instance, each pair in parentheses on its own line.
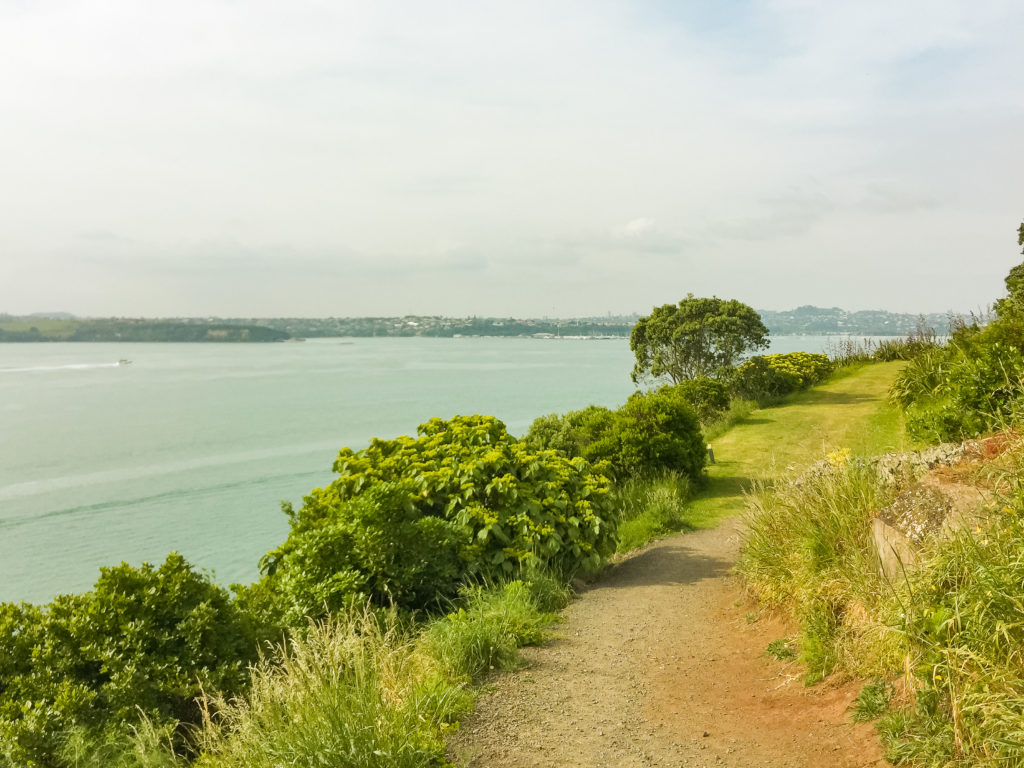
(894,550)
(908,465)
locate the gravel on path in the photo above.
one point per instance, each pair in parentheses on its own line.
(656,664)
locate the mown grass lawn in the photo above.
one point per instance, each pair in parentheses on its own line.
(849,412)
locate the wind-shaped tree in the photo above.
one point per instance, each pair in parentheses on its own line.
(694,339)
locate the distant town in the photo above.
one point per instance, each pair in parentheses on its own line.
(806,320)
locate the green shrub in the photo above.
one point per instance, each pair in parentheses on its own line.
(144,641)
(376,547)
(573,433)
(408,520)
(709,398)
(658,432)
(961,391)
(653,432)
(757,379)
(770,376)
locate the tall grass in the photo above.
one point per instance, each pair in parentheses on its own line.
(808,549)
(471,641)
(650,507)
(848,351)
(143,745)
(965,622)
(366,691)
(353,691)
(950,631)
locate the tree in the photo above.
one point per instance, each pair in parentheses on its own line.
(1011,308)
(698,337)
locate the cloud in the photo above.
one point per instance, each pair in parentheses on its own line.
(501,155)
(636,228)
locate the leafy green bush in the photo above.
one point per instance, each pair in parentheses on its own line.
(653,432)
(658,432)
(975,383)
(144,641)
(709,398)
(408,520)
(770,376)
(376,547)
(576,433)
(757,379)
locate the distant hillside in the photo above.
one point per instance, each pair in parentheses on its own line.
(827,320)
(35,329)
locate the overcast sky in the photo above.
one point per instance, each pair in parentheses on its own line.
(507,158)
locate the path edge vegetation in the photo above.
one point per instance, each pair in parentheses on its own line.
(937,634)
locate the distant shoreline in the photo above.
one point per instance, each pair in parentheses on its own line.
(802,321)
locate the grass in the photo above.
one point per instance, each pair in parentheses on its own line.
(951,630)
(808,550)
(850,411)
(873,700)
(754,445)
(651,508)
(354,691)
(782,649)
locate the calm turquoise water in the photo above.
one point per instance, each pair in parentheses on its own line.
(192,447)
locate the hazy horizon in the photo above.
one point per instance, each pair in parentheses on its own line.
(57,314)
(494,159)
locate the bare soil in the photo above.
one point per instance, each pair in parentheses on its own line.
(662,663)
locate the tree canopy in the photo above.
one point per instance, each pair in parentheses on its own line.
(697,337)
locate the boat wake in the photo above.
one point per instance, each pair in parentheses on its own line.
(69,367)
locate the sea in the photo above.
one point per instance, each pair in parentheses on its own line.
(125,452)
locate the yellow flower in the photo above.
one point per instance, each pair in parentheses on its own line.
(835,458)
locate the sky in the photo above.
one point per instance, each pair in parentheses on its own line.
(558,158)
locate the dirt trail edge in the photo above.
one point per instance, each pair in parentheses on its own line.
(657,664)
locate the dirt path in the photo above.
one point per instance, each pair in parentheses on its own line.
(657,665)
